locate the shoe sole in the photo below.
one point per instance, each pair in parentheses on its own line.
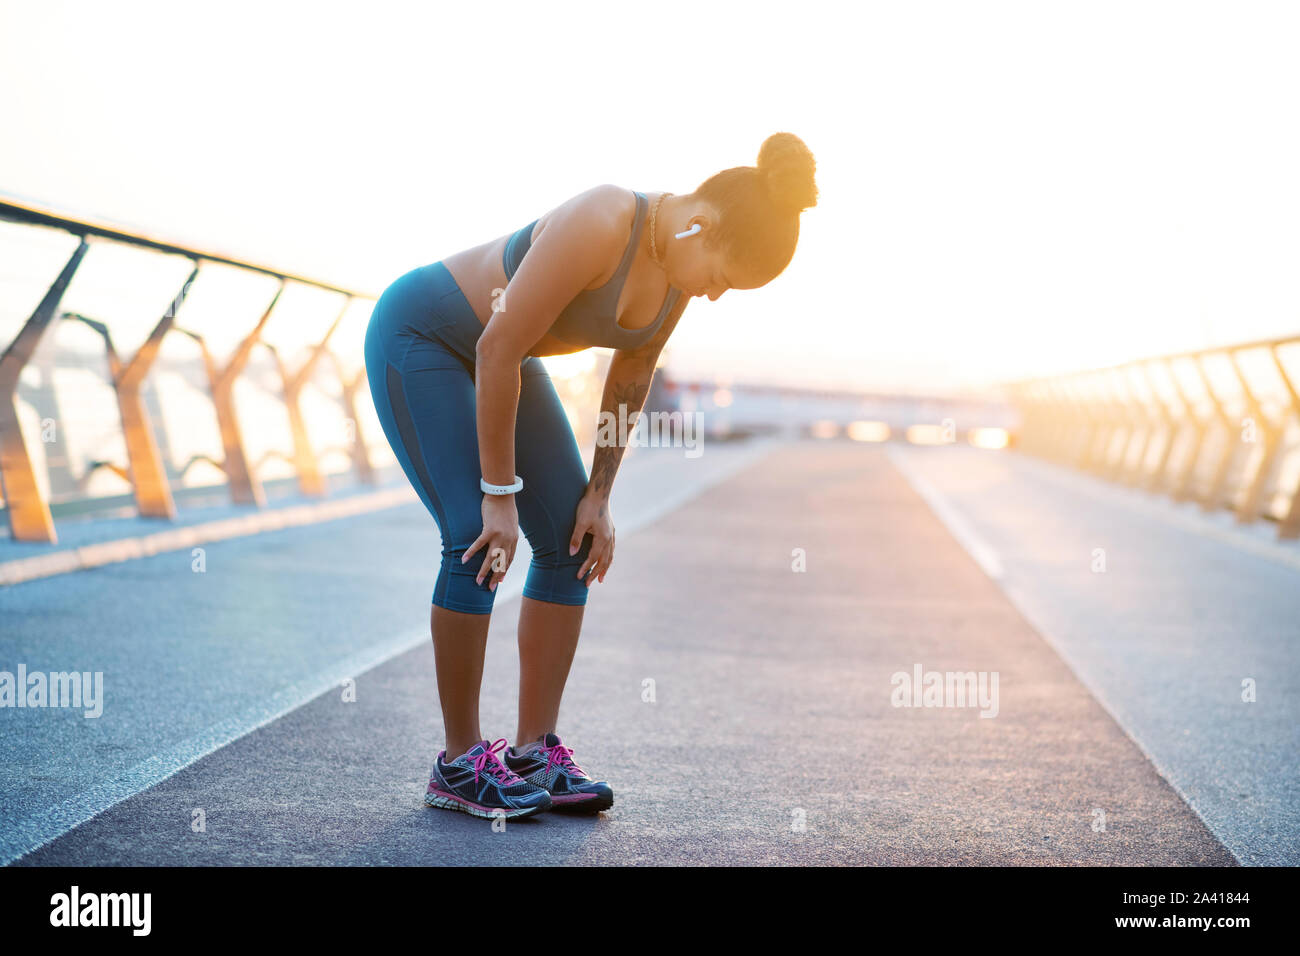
(582,802)
(449,801)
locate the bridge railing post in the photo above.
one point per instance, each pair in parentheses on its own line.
(27,510)
(1289,527)
(358,447)
(310,480)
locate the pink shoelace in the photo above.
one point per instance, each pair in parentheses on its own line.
(489,763)
(562,755)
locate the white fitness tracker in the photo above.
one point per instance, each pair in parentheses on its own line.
(491,489)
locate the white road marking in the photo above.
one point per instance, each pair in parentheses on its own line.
(979,549)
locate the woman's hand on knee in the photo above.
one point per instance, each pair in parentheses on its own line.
(593,518)
(499,538)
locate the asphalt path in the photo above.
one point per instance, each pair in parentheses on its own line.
(771,734)
(1183,624)
(196,651)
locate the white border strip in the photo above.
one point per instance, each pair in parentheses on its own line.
(979,549)
(177,539)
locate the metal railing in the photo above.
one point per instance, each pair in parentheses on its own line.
(1219,426)
(26,508)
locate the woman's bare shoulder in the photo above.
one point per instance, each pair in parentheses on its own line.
(605,209)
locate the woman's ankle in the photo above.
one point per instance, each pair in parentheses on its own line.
(458,748)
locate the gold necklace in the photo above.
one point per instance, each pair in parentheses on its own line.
(654,213)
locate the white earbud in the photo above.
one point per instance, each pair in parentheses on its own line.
(689,232)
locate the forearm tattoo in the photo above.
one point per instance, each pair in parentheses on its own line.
(626,388)
(626,385)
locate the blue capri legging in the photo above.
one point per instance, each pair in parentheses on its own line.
(420,361)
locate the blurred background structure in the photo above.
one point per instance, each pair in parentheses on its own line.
(250,379)
(1219,426)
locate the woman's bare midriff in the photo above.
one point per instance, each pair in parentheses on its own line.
(479,270)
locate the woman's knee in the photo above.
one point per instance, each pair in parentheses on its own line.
(553,571)
(457,586)
(557,584)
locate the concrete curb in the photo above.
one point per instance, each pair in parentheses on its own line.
(175,539)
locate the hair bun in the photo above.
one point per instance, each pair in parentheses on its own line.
(787,167)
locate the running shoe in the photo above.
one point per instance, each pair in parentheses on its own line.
(478,783)
(549,764)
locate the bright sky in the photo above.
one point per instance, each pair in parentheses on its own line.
(1006,188)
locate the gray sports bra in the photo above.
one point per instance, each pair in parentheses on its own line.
(590,318)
